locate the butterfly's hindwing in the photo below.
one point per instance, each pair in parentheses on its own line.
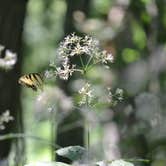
(33,80)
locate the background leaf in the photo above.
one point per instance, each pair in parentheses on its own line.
(72,152)
(121,163)
(48,164)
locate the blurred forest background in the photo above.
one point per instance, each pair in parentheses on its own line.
(134,31)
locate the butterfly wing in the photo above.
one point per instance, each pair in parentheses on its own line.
(37,80)
(33,80)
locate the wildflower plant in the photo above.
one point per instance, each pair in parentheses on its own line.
(80,47)
(87,51)
(75,46)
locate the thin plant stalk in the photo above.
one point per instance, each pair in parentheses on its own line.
(82,63)
(87,139)
(53,133)
(87,65)
(87,132)
(26,136)
(132,160)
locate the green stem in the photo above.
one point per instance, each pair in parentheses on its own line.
(79,70)
(87,65)
(82,63)
(53,133)
(88,132)
(137,160)
(132,160)
(88,140)
(23,136)
(90,67)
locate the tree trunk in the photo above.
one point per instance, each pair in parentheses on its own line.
(12,13)
(72,6)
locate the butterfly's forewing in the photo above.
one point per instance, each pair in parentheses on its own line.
(32,80)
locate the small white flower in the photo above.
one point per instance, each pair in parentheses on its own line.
(5,118)
(65,61)
(109,98)
(49,74)
(65,72)
(10,55)
(119,93)
(109,57)
(85,90)
(78,50)
(1,48)
(86,94)
(106,57)
(9,60)
(115,97)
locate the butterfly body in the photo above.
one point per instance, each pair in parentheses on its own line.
(32,80)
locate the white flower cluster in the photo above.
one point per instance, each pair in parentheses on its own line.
(74,45)
(5,118)
(92,99)
(117,96)
(9,59)
(66,70)
(86,94)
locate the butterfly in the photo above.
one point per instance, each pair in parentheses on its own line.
(32,80)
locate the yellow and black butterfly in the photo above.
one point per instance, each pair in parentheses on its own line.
(32,80)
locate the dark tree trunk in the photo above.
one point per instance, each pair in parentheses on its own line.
(161,28)
(76,135)
(12,13)
(72,6)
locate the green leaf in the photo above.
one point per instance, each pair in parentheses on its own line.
(130,55)
(121,163)
(47,164)
(139,35)
(72,152)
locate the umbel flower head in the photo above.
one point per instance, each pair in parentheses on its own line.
(86,94)
(74,45)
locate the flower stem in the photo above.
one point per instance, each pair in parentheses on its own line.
(88,140)
(82,63)
(87,132)
(89,60)
(26,136)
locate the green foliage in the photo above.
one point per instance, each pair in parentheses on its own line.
(121,163)
(72,152)
(48,164)
(101,7)
(139,35)
(130,55)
